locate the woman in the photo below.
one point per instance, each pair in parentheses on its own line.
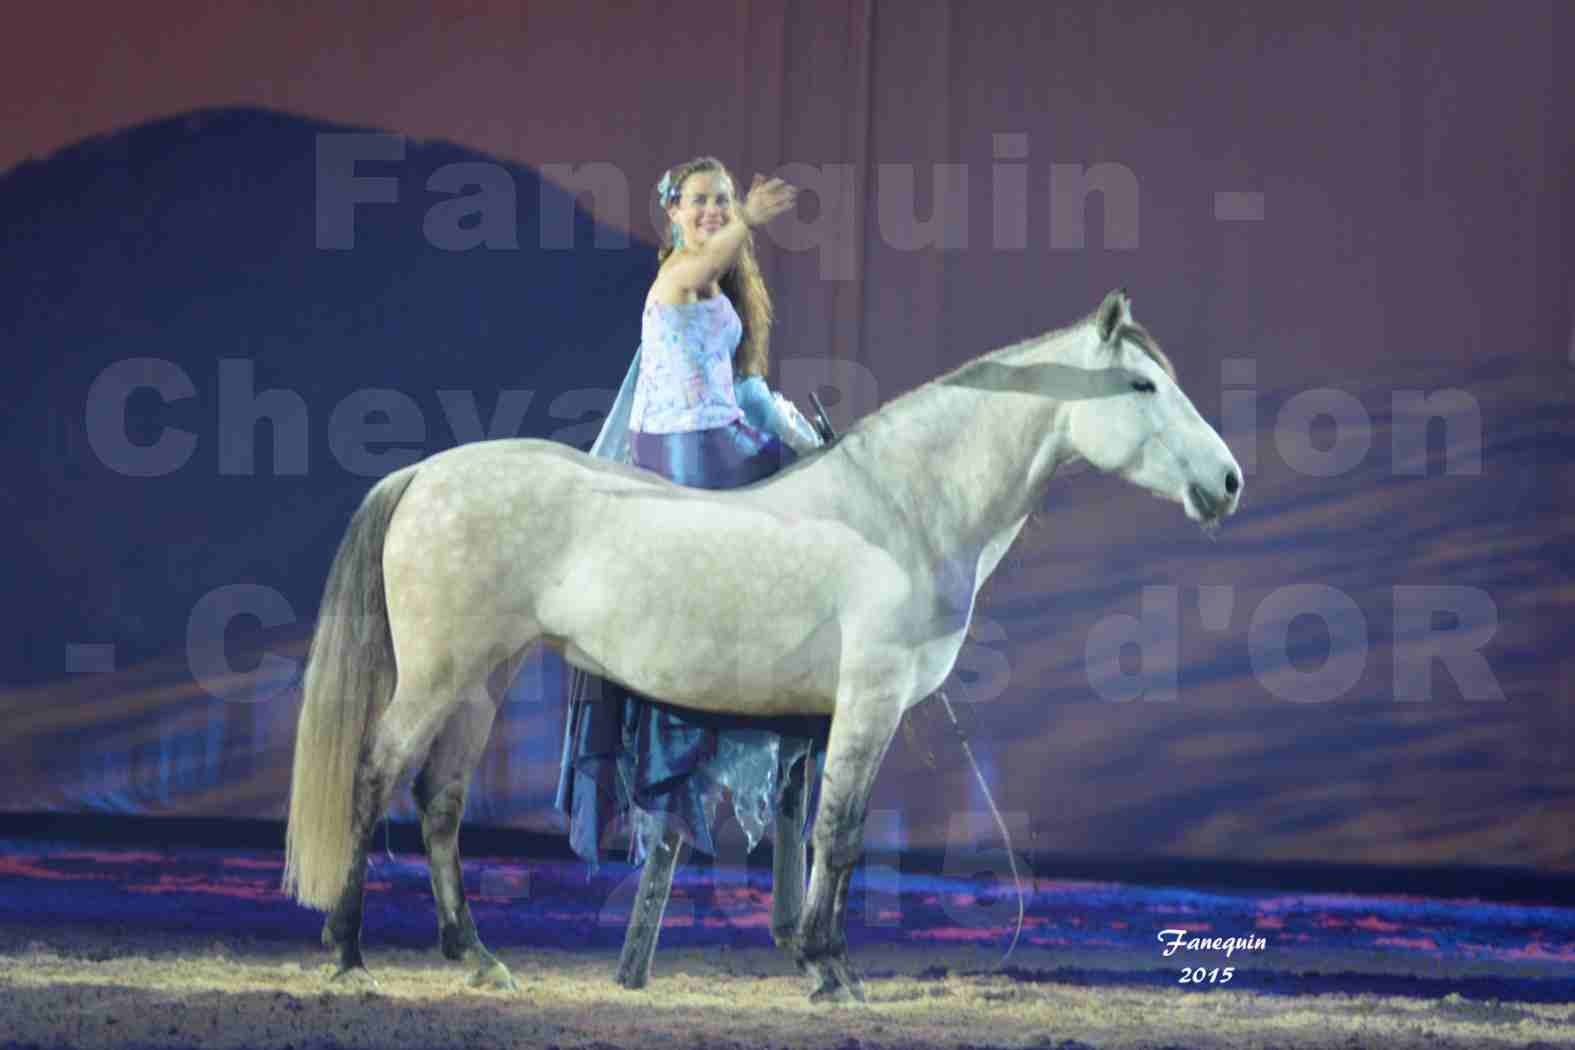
(695,408)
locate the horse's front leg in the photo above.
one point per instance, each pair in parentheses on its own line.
(787,859)
(861,731)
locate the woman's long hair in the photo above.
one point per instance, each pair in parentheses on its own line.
(742,284)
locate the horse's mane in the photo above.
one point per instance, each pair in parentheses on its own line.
(961,371)
(958,375)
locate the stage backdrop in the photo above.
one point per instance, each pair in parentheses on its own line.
(239,242)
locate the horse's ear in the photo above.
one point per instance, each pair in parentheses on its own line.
(1114,312)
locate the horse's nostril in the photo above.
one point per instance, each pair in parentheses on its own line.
(1231,484)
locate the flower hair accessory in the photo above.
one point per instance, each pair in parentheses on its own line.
(664,189)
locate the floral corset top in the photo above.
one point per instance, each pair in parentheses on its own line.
(686,367)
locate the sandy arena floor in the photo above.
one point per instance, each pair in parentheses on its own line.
(158,950)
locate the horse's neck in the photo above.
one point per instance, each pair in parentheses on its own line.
(962,463)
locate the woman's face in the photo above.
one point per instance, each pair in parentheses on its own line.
(704,206)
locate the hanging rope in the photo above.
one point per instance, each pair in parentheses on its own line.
(1000,822)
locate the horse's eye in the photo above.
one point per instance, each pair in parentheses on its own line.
(1143,386)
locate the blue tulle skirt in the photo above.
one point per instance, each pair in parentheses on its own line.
(662,767)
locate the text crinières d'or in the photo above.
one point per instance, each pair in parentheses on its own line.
(1177,940)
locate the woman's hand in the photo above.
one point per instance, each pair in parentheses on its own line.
(767,199)
(799,435)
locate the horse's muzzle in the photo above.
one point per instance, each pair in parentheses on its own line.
(1209,506)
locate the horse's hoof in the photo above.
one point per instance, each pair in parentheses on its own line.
(834,976)
(788,942)
(496,976)
(828,991)
(848,979)
(355,978)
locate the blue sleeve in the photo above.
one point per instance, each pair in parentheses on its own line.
(754,397)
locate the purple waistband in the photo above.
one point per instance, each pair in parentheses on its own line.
(726,457)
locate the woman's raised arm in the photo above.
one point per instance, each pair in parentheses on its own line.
(697,271)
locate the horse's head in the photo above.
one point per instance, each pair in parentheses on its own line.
(1147,430)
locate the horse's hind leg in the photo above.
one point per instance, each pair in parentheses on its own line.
(404,730)
(645,920)
(787,859)
(439,791)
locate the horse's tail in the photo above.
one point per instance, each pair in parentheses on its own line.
(350,671)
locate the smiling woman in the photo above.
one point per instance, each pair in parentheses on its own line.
(699,413)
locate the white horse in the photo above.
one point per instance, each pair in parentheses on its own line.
(841,586)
